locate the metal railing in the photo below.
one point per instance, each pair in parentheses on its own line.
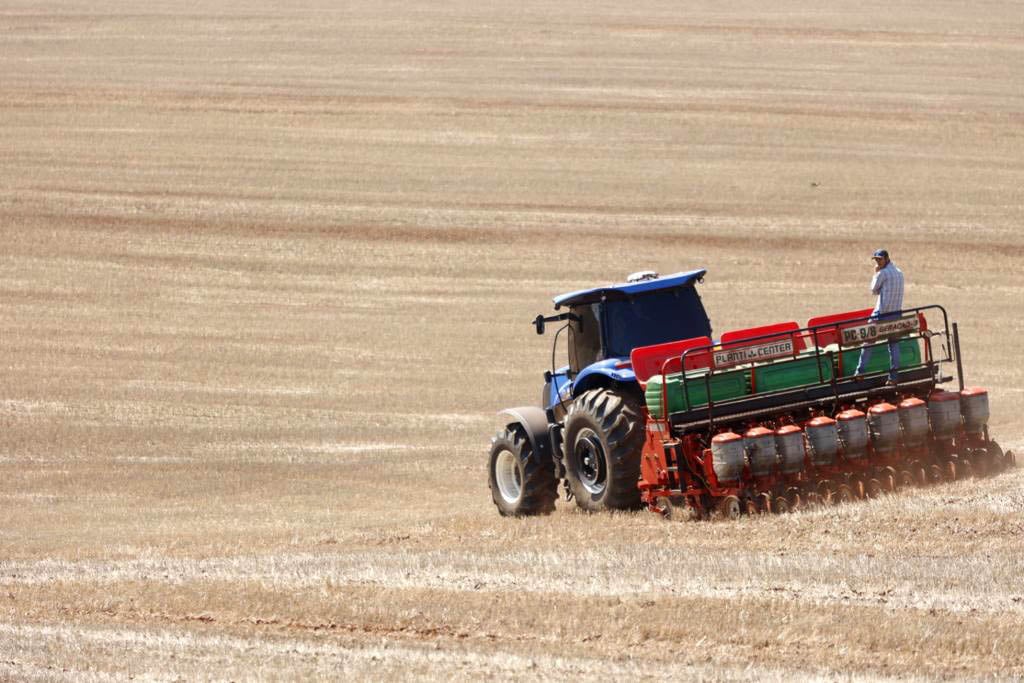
(813,333)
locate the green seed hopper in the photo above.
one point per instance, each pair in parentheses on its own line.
(806,369)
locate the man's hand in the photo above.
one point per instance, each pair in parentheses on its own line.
(878,267)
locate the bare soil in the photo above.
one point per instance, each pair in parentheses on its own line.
(266,275)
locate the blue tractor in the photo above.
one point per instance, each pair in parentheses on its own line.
(650,410)
(589,430)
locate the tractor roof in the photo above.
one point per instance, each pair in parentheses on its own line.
(626,289)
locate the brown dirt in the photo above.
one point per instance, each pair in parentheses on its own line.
(266,278)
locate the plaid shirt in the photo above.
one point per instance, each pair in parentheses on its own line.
(888,285)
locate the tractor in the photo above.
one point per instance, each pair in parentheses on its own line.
(651,411)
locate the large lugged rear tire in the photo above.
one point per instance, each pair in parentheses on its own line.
(603,440)
(522,483)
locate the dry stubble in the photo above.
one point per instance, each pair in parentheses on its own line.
(265,280)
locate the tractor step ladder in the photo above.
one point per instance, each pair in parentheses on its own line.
(672,463)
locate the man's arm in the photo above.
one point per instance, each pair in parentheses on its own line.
(877,281)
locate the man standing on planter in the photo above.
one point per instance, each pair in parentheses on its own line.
(888,285)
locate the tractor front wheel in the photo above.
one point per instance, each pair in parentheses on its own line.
(522,483)
(603,439)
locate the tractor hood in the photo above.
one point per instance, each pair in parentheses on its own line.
(627,289)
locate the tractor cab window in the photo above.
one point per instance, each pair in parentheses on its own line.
(653,319)
(584,338)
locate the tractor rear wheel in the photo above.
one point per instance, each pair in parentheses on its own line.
(522,482)
(603,439)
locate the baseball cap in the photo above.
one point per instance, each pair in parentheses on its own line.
(881,253)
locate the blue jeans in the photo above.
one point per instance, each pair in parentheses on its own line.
(894,350)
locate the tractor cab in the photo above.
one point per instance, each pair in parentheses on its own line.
(604,324)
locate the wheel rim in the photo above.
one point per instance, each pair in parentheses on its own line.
(506,475)
(590,462)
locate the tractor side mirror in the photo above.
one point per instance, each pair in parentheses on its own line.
(538,322)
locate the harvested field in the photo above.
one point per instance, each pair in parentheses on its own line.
(266,276)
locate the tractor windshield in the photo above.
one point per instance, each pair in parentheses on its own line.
(662,316)
(613,328)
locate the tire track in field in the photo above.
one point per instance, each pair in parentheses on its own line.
(21,643)
(862,580)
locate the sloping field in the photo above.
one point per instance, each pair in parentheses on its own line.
(266,276)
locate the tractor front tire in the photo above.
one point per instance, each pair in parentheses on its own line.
(603,439)
(522,482)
